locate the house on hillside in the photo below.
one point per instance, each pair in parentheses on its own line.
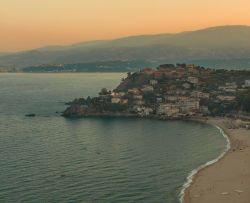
(124,101)
(186,85)
(229,87)
(134,91)
(247,83)
(226,97)
(193,80)
(147,88)
(153,82)
(200,95)
(148,71)
(115,100)
(189,105)
(168,109)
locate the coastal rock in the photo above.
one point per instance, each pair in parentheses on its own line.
(30,115)
(75,110)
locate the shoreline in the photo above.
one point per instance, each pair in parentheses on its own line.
(194,172)
(226,178)
(225,126)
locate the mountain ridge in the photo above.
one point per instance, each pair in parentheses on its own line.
(221,42)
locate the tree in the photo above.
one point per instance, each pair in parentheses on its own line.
(129,74)
(243,99)
(103,91)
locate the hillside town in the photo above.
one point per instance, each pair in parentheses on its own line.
(171,92)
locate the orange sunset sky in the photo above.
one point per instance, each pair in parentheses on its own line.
(26,24)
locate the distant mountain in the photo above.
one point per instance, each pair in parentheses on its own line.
(208,46)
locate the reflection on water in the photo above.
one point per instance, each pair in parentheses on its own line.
(52,159)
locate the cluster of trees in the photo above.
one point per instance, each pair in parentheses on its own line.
(242,103)
(102,66)
(243,99)
(221,108)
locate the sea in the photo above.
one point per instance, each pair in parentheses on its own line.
(49,158)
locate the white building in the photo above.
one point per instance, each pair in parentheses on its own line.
(138,97)
(118,94)
(168,109)
(201,95)
(232,85)
(153,82)
(171,98)
(146,111)
(134,91)
(229,87)
(226,98)
(247,83)
(175,98)
(124,101)
(186,85)
(189,105)
(158,99)
(193,80)
(115,100)
(147,88)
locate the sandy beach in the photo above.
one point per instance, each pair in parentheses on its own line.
(228,180)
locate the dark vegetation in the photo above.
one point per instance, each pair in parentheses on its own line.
(104,66)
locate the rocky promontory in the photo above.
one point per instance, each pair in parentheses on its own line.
(170,92)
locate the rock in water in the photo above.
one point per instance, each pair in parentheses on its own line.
(30,115)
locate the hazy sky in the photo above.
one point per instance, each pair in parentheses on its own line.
(27,24)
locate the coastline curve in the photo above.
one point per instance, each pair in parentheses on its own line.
(191,175)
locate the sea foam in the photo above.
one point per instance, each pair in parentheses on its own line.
(191,175)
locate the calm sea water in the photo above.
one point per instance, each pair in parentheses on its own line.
(52,159)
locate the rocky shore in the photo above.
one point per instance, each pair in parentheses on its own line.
(76,111)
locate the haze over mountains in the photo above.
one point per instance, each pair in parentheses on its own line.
(224,44)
